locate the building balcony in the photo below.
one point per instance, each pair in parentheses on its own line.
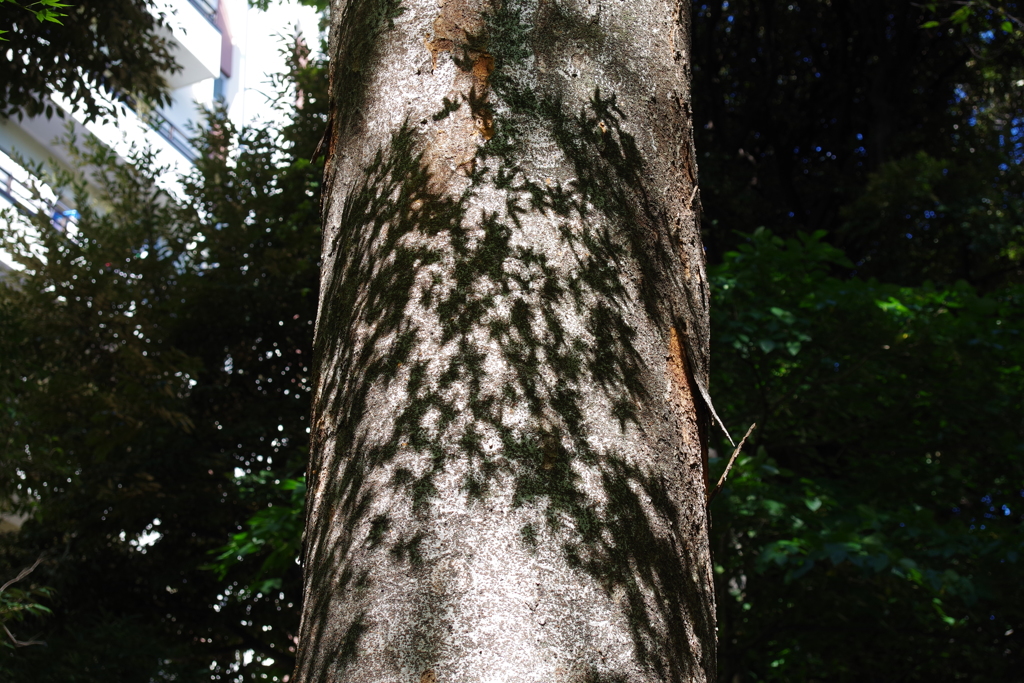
(193,30)
(32,198)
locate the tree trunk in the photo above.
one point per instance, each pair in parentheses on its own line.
(507,477)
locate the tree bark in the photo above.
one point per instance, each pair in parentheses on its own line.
(508,466)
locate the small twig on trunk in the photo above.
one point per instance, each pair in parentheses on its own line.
(732,459)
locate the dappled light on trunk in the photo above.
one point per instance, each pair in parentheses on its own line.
(507,478)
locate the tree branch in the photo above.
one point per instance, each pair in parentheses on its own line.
(732,459)
(21,575)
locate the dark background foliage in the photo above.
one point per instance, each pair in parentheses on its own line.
(157,385)
(862,194)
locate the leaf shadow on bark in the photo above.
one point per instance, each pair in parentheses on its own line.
(394,227)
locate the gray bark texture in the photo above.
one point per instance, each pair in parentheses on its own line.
(508,468)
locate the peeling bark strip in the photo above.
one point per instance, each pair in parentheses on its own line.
(459,32)
(506,480)
(688,402)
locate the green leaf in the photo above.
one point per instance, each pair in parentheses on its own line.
(930,24)
(937,604)
(962,15)
(893,306)
(49,15)
(783,315)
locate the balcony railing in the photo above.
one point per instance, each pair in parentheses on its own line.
(208,8)
(168,131)
(28,203)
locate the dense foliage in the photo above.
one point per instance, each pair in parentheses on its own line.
(876,524)
(862,192)
(118,48)
(155,398)
(902,142)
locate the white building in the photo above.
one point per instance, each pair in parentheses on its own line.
(225,50)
